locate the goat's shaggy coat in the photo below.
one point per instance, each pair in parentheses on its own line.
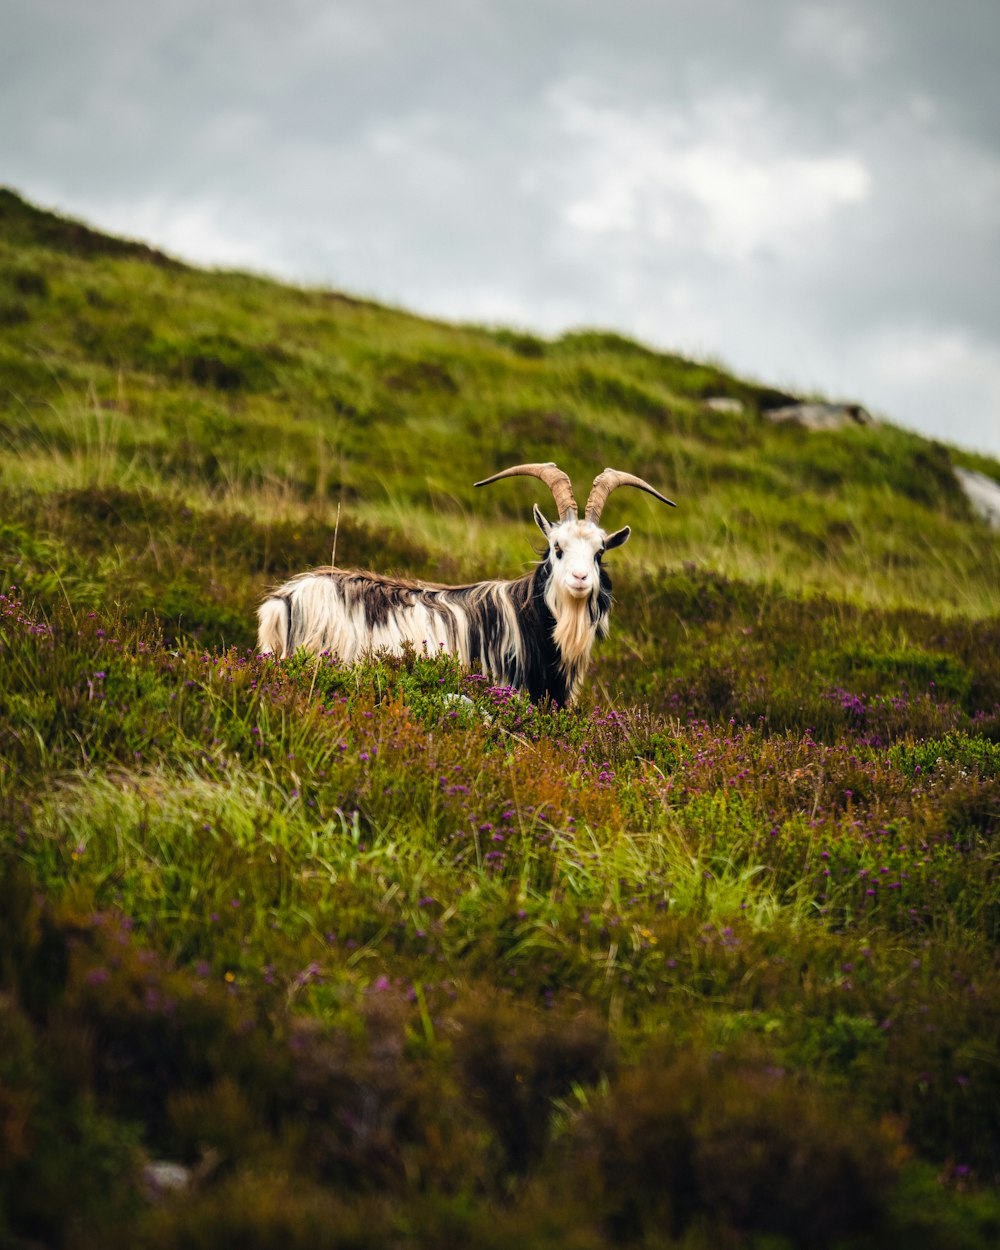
(506,629)
(535,633)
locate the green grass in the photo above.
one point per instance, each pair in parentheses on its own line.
(706,961)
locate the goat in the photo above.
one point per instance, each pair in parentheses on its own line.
(535,632)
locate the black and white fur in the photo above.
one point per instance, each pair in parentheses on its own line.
(534,633)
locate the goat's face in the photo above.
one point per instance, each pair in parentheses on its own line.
(574,555)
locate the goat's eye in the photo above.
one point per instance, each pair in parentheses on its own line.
(558,552)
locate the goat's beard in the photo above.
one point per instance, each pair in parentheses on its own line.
(574,630)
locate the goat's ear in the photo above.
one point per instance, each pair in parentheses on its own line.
(541,522)
(618,539)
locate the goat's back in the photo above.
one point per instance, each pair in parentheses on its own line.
(351,612)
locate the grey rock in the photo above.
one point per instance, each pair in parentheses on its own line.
(464,706)
(162,1177)
(983,493)
(821,416)
(723,403)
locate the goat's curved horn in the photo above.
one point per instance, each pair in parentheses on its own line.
(610,480)
(553,477)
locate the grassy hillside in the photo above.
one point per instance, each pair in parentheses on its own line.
(708,961)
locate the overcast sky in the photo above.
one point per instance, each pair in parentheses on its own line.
(809,192)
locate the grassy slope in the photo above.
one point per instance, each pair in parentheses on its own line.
(709,959)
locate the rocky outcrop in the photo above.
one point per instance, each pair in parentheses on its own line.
(820,416)
(726,404)
(983,493)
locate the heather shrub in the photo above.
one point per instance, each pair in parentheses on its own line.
(263,1210)
(689,1139)
(516,1067)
